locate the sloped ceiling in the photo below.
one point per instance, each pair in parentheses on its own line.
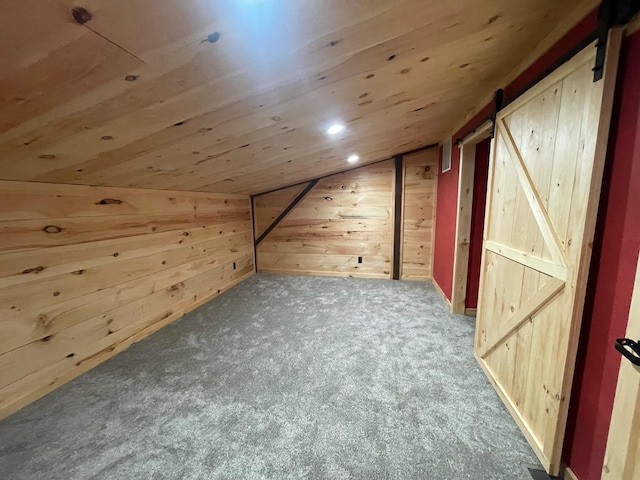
(236,95)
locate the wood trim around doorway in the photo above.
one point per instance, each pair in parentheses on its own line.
(463,220)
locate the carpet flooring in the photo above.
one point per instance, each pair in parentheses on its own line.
(281,377)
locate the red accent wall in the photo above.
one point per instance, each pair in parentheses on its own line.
(611,283)
(446,209)
(477,222)
(446,213)
(615,254)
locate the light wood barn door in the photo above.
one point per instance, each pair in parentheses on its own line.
(622,460)
(544,186)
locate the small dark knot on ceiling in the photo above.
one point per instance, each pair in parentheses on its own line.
(131,78)
(213,37)
(80,15)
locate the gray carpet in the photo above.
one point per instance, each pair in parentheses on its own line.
(282,377)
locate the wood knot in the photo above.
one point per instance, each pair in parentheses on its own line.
(80,15)
(52,229)
(109,201)
(47,156)
(78,272)
(213,37)
(328,198)
(43,320)
(35,270)
(47,338)
(131,78)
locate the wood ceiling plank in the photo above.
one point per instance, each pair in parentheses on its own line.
(152,114)
(51,62)
(297,69)
(171,26)
(262,154)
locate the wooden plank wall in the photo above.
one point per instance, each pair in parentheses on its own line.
(348,216)
(87,271)
(420,177)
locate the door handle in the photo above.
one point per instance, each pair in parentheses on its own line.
(629,349)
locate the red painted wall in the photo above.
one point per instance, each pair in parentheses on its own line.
(446,212)
(477,222)
(615,254)
(611,283)
(446,208)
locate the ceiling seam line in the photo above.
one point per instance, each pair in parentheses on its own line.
(114,43)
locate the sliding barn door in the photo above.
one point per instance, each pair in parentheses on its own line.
(544,186)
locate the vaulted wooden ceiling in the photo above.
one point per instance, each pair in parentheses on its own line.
(236,95)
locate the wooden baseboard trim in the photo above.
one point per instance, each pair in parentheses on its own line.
(66,376)
(470,311)
(567,473)
(444,297)
(313,273)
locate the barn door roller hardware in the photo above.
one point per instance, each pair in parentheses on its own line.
(629,349)
(610,14)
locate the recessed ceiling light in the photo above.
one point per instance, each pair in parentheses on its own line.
(335,128)
(353,158)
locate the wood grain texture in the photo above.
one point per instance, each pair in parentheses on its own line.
(418,214)
(544,186)
(124,263)
(232,96)
(350,215)
(342,218)
(271,205)
(463,227)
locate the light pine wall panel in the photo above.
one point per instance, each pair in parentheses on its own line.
(342,218)
(420,177)
(87,271)
(271,205)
